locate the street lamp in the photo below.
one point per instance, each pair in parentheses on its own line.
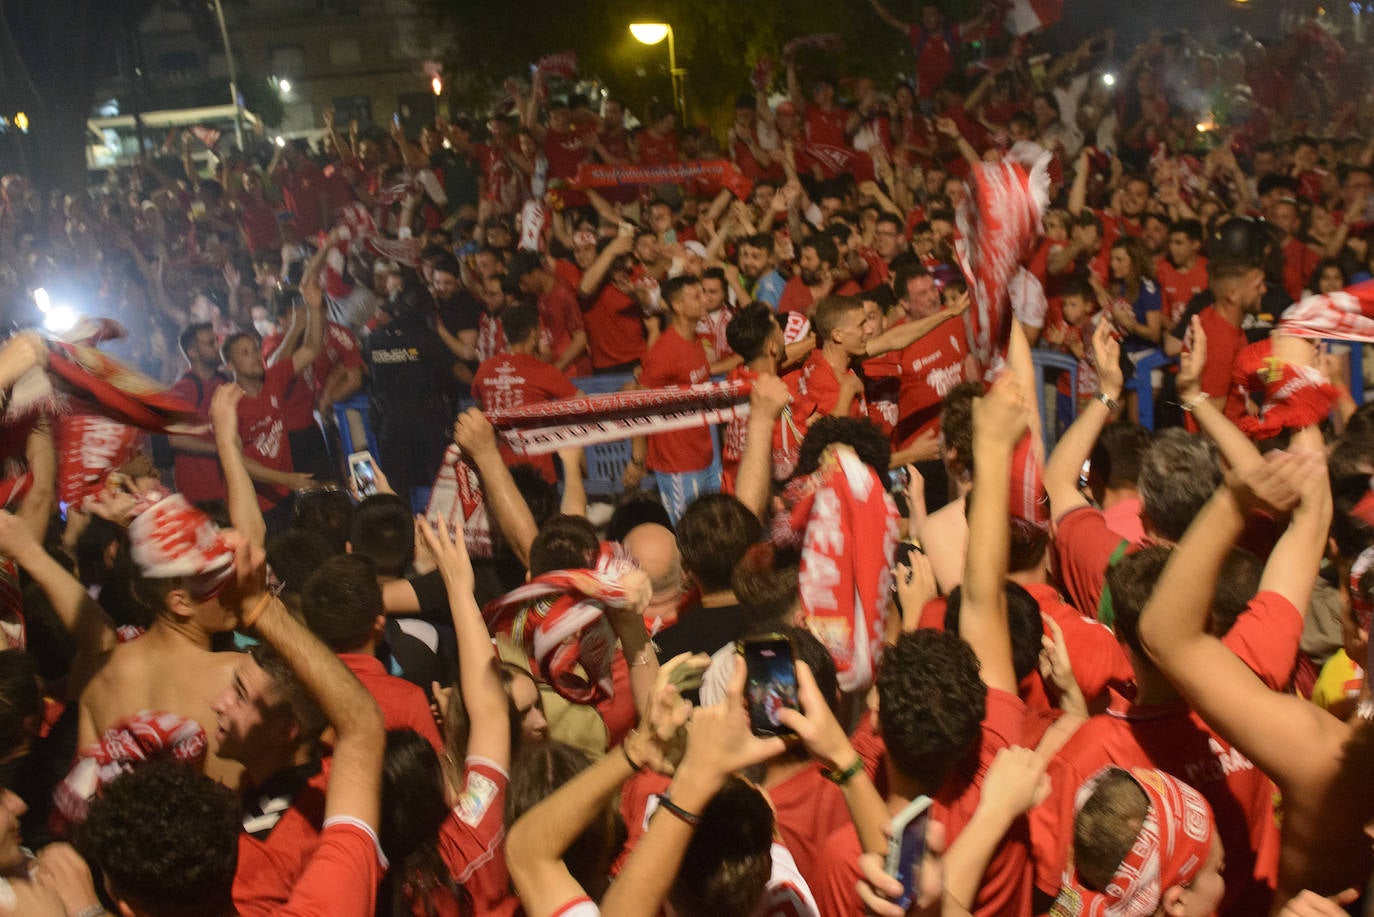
(651,33)
(233,76)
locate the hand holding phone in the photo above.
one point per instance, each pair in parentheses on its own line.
(362,471)
(906,848)
(771,683)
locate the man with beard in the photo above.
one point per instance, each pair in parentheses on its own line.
(761,279)
(815,278)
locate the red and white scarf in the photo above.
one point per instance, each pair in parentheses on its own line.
(559,619)
(457,501)
(536,429)
(849,531)
(145,736)
(1294,396)
(1346,315)
(171,538)
(720,171)
(1171,849)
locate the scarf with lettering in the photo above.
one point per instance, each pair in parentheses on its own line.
(559,618)
(146,736)
(170,538)
(848,527)
(1173,844)
(457,501)
(720,171)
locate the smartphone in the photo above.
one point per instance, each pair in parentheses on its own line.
(362,468)
(906,847)
(772,682)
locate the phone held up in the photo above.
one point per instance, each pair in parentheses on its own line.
(771,684)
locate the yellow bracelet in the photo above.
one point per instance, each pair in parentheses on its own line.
(248,620)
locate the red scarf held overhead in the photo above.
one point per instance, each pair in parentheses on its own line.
(849,530)
(1294,396)
(559,619)
(721,171)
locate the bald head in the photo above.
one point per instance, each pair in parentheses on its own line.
(654,548)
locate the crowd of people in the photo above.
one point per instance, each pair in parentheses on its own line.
(1098,592)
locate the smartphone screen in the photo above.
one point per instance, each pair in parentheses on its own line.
(772,683)
(907,847)
(364,473)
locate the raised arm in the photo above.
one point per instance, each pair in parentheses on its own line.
(1291,740)
(479,676)
(355,776)
(475,436)
(313,293)
(244,513)
(886,16)
(909,332)
(1076,445)
(35,509)
(591,280)
(80,615)
(1000,418)
(754,482)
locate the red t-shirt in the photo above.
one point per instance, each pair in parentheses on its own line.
(569,273)
(268,867)
(564,151)
(1097,658)
(1083,549)
(826,126)
(930,367)
(260,225)
(1224,342)
(656,149)
(262,428)
(882,390)
(340,349)
(472,840)
(816,391)
(934,56)
(403,705)
(1173,739)
(1299,264)
(341,879)
(1006,886)
(615,329)
(197,476)
(512,380)
(1178,287)
(301,187)
(674,360)
(879,272)
(560,317)
(796,297)
(809,809)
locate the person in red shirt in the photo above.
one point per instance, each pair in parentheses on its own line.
(196,473)
(516,378)
(615,316)
(656,144)
(1159,730)
(930,367)
(1300,260)
(969,678)
(560,314)
(825,122)
(565,145)
(258,216)
(682,460)
(815,278)
(262,419)
(341,603)
(305,191)
(1238,289)
(934,43)
(826,385)
(1182,274)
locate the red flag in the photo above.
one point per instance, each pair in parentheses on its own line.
(722,171)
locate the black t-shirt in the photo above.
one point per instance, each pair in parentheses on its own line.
(700,630)
(405,361)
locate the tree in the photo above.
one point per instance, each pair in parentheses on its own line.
(59,50)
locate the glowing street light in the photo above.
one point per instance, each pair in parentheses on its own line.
(284,86)
(651,33)
(437,84)
(21,121)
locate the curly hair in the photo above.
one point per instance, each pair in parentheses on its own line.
(863,436)
(931,702)
(167,840)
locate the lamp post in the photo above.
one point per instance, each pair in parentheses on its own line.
(651,33)
(233,76)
